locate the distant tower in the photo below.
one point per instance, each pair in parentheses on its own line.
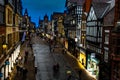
(26,12)
(39,22)
(45,23)
(46,18)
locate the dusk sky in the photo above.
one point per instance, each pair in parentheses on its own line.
(38,8)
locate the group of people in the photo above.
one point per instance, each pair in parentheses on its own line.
(50,42)
(21,70)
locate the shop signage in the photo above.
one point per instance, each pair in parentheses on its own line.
(1,74)
(7,63)
(92,55)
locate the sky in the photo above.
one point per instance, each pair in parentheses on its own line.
(38,8)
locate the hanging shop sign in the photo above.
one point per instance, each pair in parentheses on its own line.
(7,63)
(1,74)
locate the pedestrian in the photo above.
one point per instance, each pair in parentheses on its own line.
(56,67)
(25,73)
(26,56)
(63,51)
(35,70)
(50,47)
(26,53)
(21,69)
(79,72)
(69,77)
(18,69)
(31,45)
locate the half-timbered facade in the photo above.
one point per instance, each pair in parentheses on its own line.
(115,53)
(94,36)
(115,45)
(73,22)
(106,39)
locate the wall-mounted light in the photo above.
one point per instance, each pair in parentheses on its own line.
(73,21)
(76,39)
(4,46)
(83,37)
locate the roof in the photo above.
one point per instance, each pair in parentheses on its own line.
(78,2)
(101,1)
(100,9)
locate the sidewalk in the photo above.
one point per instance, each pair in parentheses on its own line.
(28,64)
(75,64)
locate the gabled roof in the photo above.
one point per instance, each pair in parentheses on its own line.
(80,2)
(100,9)
(73,1)
(87,5)
(101,1)
(77,2)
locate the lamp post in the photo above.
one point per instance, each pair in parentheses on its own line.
(4,46)
(76,39)
(83,40)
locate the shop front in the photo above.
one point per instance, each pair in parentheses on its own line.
(2,71)
(93,65)
(81,53)
(12,60)
(82,58)
(7,67)
(72,46)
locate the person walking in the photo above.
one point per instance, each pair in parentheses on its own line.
(50,47)
(25,73)
(79,72)
(56,67)
(26,56)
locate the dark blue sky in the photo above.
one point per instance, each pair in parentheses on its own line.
(38,8)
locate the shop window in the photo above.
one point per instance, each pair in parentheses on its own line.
(9,40)
(106,39)
(106,55)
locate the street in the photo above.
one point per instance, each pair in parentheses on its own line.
(44,61)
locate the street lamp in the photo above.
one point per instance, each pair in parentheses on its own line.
(4,46)
(73,21)
(76,39)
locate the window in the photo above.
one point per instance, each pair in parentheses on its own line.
(11,2)
(16,20)
(1,14)
(106,39)
(9,17)
(106,55)
(2,2)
